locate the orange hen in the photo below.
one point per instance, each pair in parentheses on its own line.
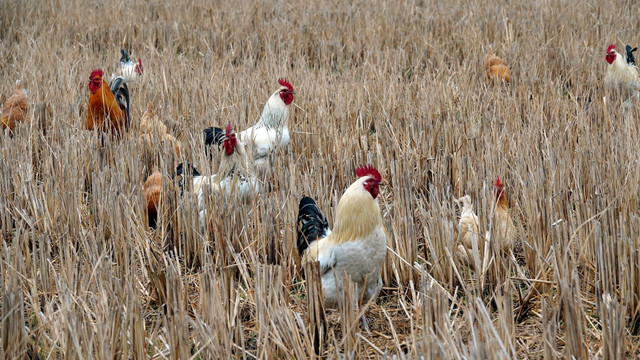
(15,109)
(153,195)
(497,69)
(503,232)
(152,128)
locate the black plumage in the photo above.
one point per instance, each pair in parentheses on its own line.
(213,136)
(631,60)
(312,224)
(121,92)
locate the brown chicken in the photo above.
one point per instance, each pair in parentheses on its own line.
(503,232)
(153,195)
(108,101)
(152,128)
(497,69)
(15,109)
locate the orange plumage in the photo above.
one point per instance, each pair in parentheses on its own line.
(15,109)
(497,69)
(503,232)
(103,104)
(152,128)
(153,195)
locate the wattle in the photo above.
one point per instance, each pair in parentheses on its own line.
(287,98)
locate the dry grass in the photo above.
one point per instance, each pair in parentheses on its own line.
(398,84)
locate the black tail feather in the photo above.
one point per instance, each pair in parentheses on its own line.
(212,136)
(153,220)
(182,166)
(312,224)
(125,56)
(120,90)
(180,170)
(631,60)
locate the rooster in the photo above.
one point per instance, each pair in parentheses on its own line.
(621,74)
(269,132)
(180,171)
(15,109)
(357,245)
(497,69)
(108,100)
(503,232)
(153,195)
(129,70)
(152,128)
(469,233)
(235,175)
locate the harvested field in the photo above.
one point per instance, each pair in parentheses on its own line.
(400,85)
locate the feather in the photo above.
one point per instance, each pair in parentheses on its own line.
(15,109)
(312,224)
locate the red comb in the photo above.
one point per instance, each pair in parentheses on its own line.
(611,47)
(228,130)
(96,73)
(139,67)
(230,142)
(498,183)
(285,83)
(366,170)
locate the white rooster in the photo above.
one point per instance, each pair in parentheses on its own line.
(269,132)
(235,176)
(129,70)
(622,75)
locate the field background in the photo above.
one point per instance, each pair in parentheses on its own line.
(399,84)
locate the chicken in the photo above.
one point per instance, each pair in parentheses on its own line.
(357,245)
(503,232)
(129,70)
(15,109)
(270,132)
(180,171)
(497,69)
(152,128)
(621,74)
(153,195)
(468,234)
(235,175)
(108,100)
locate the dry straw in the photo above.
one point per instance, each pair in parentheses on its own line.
(397,84)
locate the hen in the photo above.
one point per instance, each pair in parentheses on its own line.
(497,69)
(152,129)
(153,195)
(503,232)
(469,236)
(15,109)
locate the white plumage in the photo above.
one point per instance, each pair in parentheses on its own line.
(235,176)
(469,236)
(355,247)
(272,130)
(620,74)
(128,69)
